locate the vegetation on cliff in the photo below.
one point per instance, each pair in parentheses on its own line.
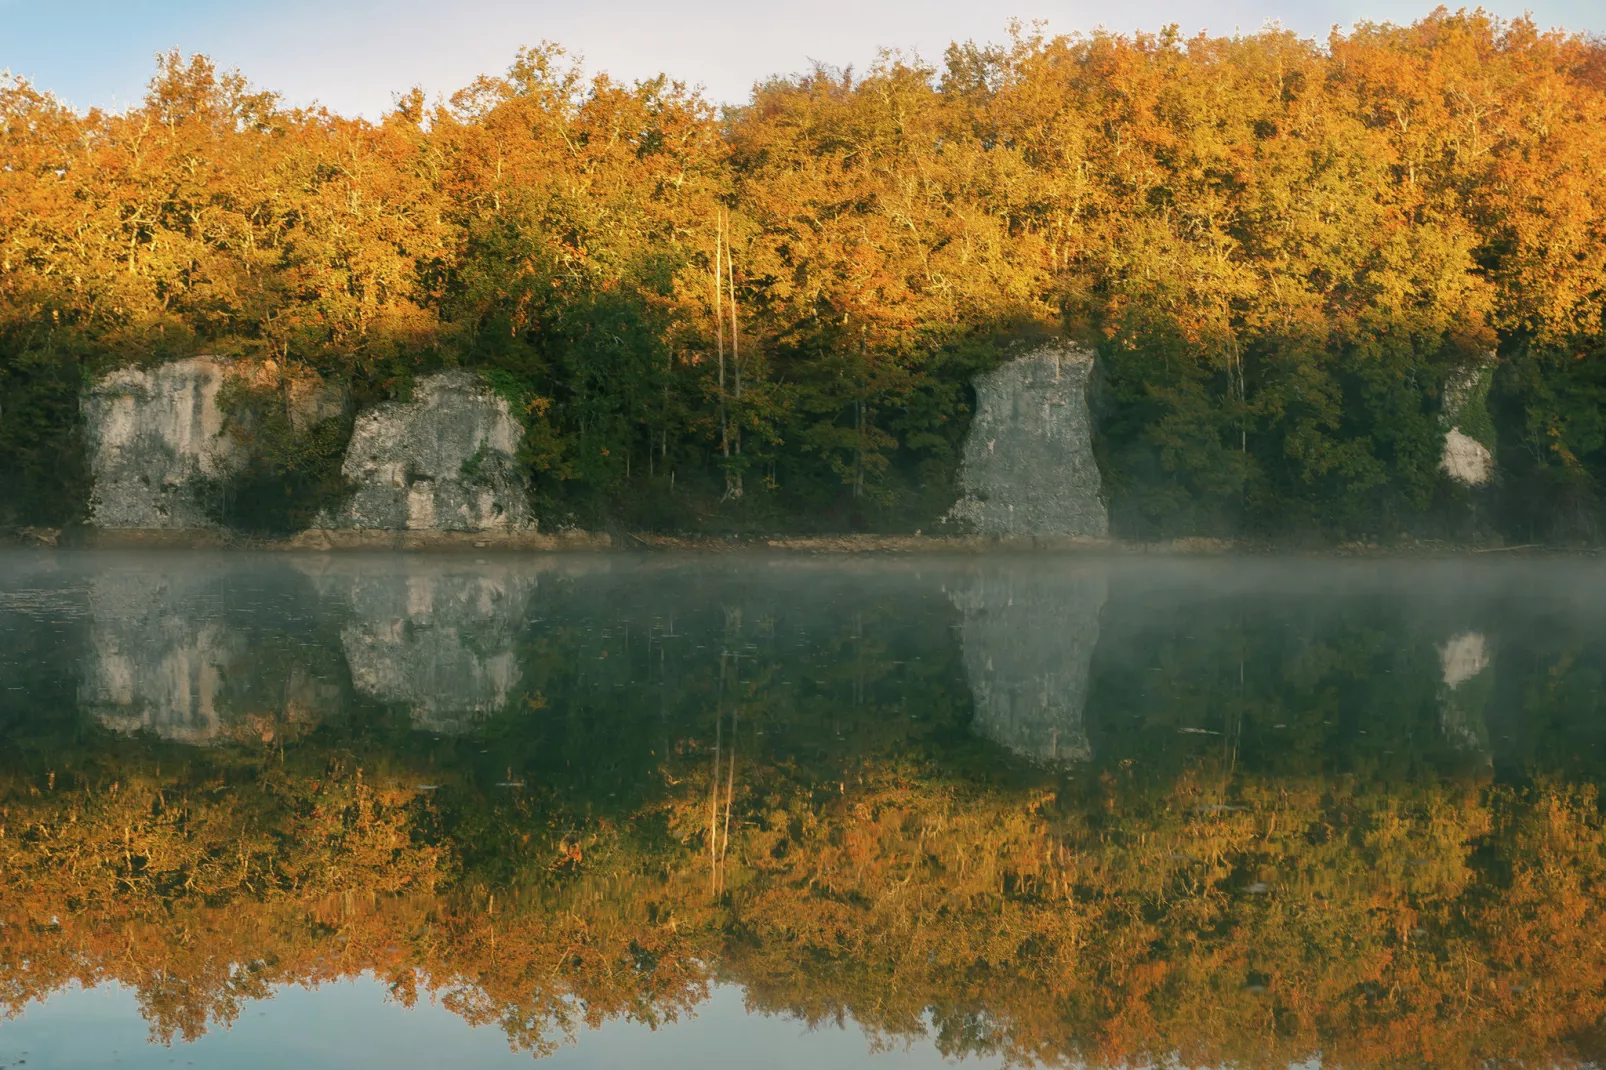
(768,314)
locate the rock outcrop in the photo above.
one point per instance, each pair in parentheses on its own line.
(1028,465)
(156,443)
(1465,459)
(159,442)
(441,462)
(1028,638)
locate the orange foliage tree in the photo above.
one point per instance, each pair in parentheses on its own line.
(1282,249)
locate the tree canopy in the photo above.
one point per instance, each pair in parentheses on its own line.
(1282,250)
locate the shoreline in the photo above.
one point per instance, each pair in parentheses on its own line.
(450,542)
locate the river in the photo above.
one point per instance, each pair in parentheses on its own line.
(725,809)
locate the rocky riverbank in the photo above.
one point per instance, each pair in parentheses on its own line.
(442,471)
(463,542)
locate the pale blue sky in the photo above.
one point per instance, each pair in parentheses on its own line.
(353,55)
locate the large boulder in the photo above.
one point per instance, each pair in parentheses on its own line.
(1028,466)
(443,461)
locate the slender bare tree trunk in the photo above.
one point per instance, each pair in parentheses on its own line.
(735,490)
(713,798)
(858,448)
(730,792)
(719,326)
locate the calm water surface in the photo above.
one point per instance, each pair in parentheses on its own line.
(728,811)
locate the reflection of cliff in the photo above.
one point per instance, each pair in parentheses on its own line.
(1465,693)
(434,637)
(201,655)
(1028,636)
(164,657)
(151,665)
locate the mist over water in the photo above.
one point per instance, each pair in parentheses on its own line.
(1053,809)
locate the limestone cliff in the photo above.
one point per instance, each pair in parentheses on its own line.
(441,462)
(156,440)
(1028,466)
(1465,459)
(159,442)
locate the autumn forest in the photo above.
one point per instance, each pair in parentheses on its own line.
(766,316)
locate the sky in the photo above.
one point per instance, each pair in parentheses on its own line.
(355,56)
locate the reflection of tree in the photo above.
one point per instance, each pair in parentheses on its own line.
(1450,922)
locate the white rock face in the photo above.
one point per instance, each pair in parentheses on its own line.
(441,462)
(1028,466)
(1466,460)
(158,441)
(155,435)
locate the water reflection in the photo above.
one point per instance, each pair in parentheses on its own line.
(1465,657)
(157,656)
(195,656)
(436,638)
(1028,638)
(1037,809)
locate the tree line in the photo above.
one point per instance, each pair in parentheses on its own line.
(768,315)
